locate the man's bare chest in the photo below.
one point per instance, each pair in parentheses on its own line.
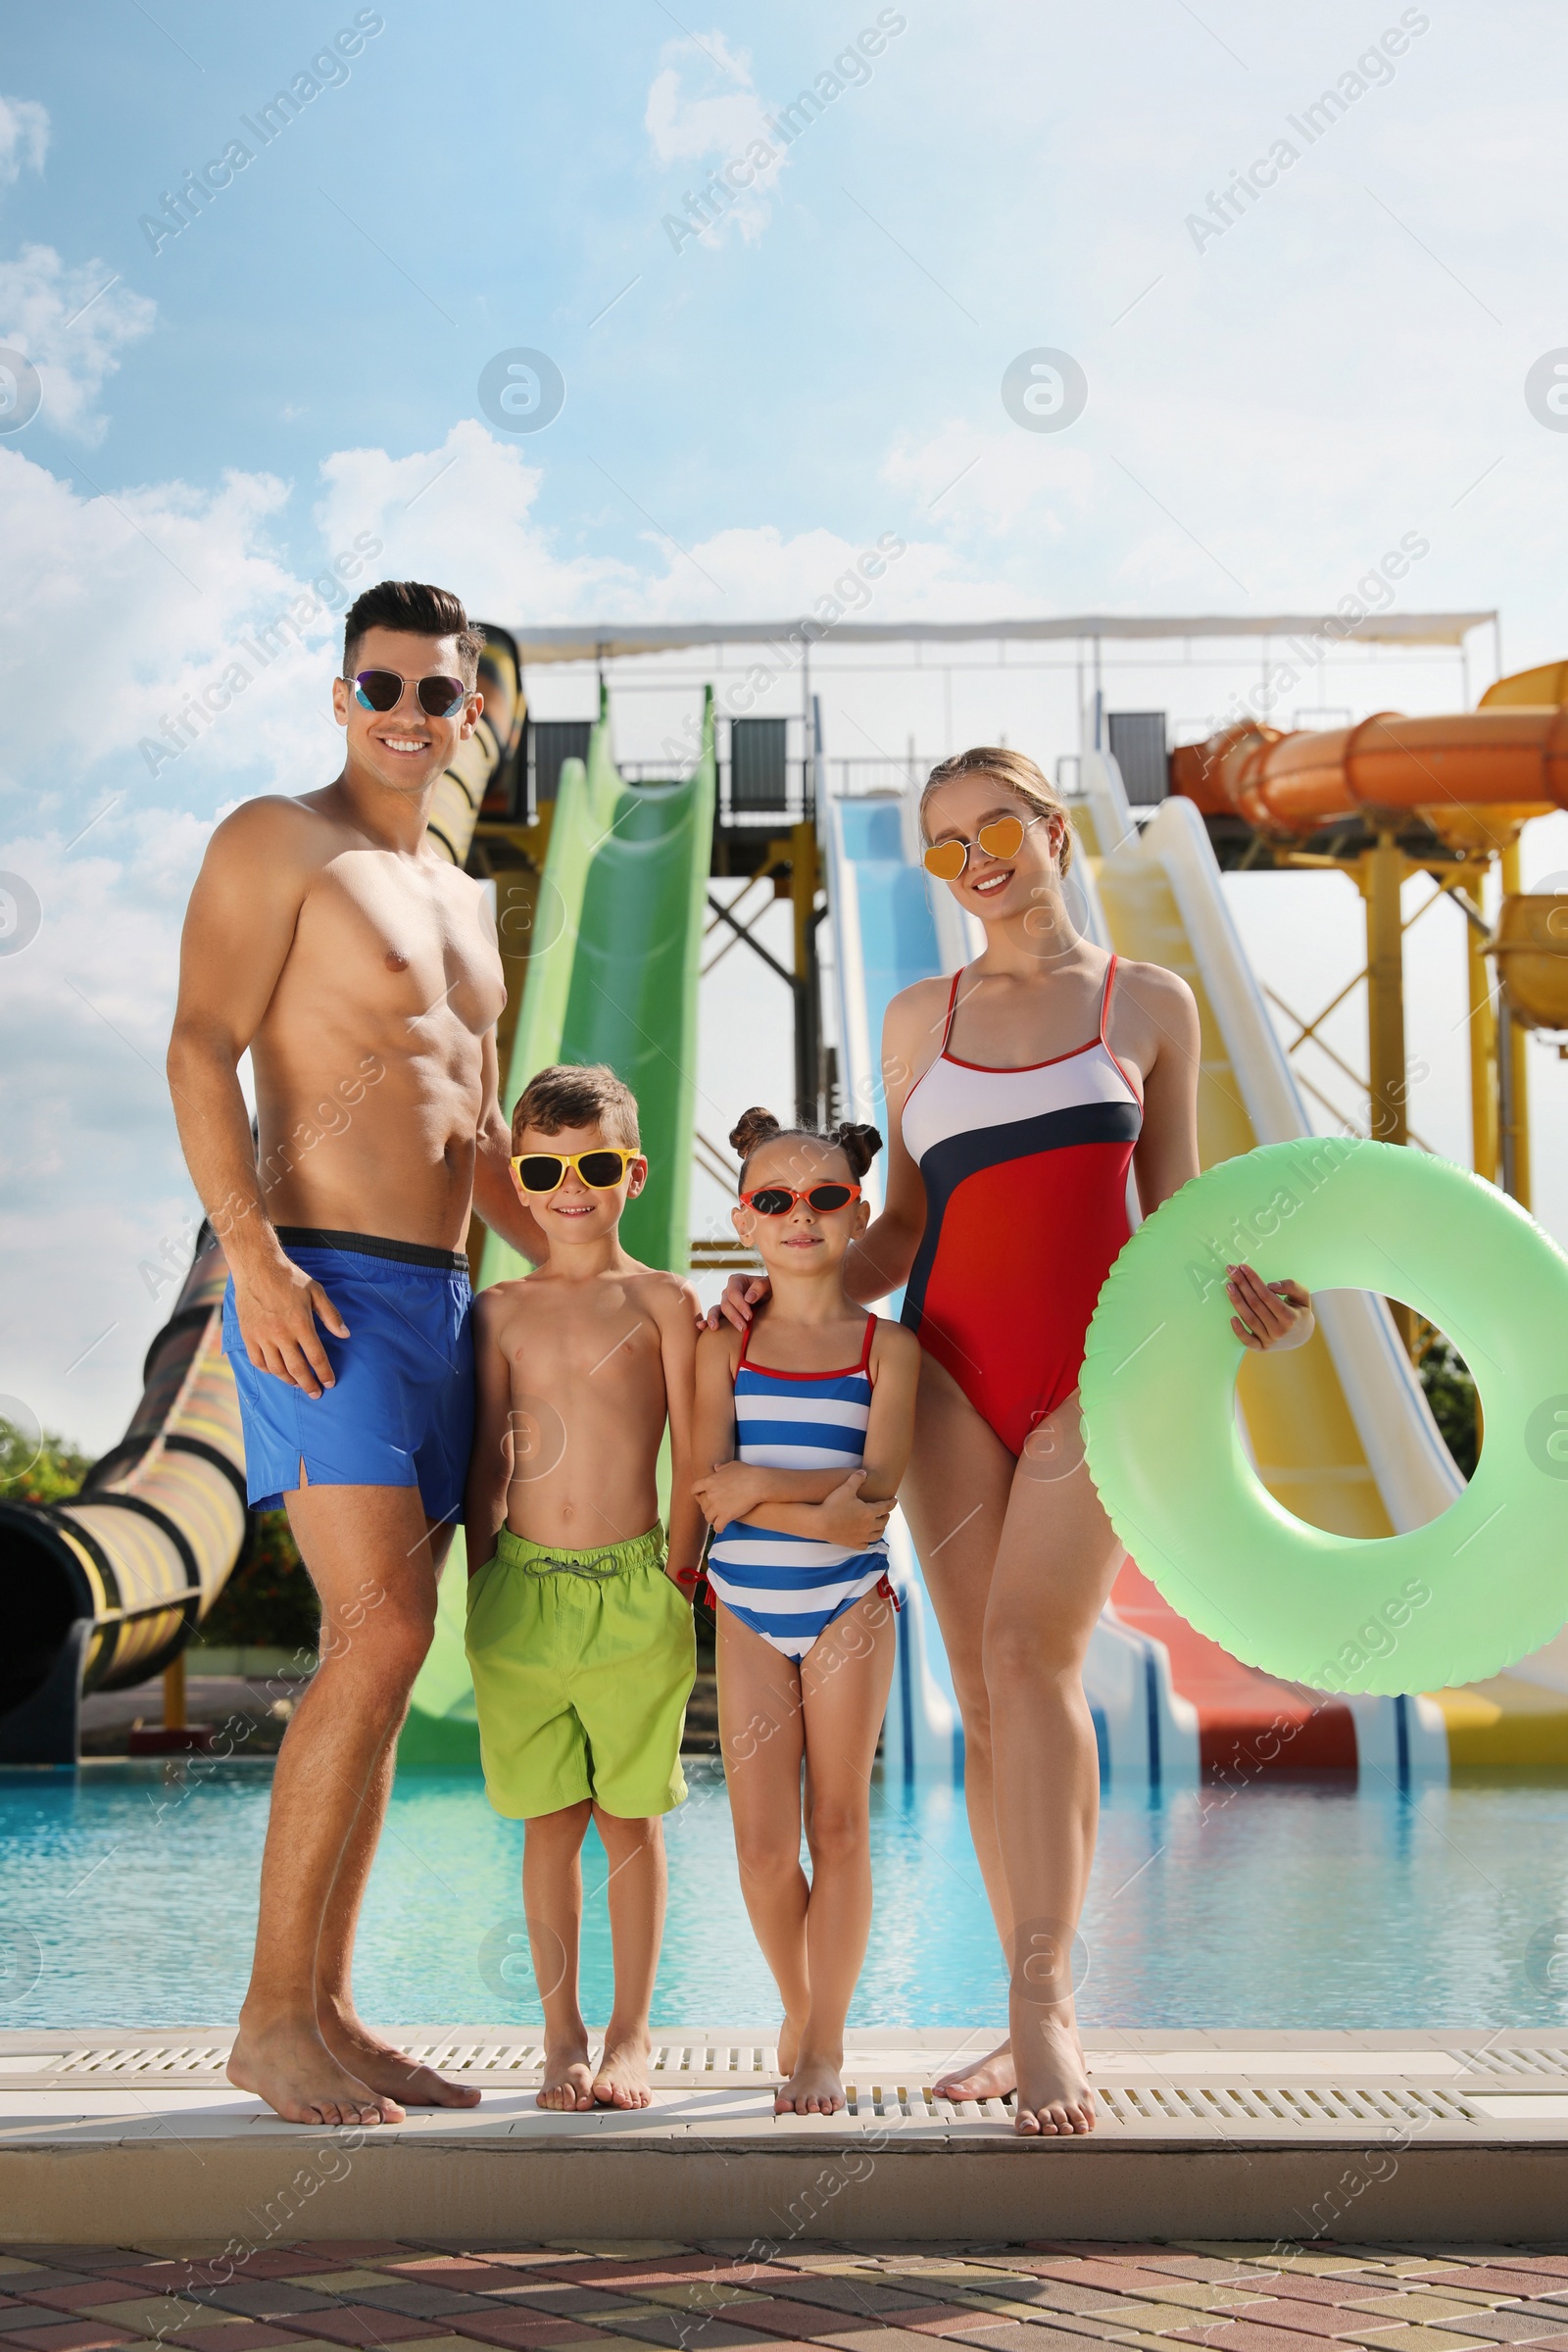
(396,943)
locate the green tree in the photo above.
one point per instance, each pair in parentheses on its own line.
(270,1601)
(1451,1392)
(41,1469)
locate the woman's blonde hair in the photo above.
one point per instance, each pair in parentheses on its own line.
(1019,775)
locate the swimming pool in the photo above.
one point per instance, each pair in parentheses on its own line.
(128,1899)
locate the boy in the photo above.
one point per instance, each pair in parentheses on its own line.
(581,1639)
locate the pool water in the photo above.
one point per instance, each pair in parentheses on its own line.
(128,1899)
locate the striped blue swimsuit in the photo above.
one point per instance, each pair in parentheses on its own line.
(787,1588)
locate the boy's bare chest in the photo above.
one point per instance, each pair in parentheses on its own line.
(607,1349)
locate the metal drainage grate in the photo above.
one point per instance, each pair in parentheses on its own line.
(690,2061)
(1289,2105)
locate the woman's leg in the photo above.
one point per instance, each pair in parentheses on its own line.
(762,1737)
(843,1688)
(954,1496)
(1055,1567)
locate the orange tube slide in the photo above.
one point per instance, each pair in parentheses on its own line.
(1288,786)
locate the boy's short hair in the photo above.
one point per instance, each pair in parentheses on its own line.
(568,1095)
(419,610)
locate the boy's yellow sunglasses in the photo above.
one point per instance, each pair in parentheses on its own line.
(600,1169)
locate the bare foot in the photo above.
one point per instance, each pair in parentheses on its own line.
(789,2045)
(289,2066)
(567,2083)
(388,2069)
(622,2076)
(1054,2094)
(992,2076)
(816,2087)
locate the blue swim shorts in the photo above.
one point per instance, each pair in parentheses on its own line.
(401,1414)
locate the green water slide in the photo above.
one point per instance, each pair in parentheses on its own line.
(612,977)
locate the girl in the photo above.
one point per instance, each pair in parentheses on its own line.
(807,1420)
(1018,1096)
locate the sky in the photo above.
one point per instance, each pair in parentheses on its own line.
(216,396)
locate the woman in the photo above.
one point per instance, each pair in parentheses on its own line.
(1019,1097)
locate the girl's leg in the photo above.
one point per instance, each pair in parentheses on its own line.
(1055,1564)
(844,1685)
(637,1888)
(551,1898)
(954,1496)
(761,1737)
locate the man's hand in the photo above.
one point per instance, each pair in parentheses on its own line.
(742,1293)
(848,1520)
(1268,1314)
(730,1490)
(279,1306)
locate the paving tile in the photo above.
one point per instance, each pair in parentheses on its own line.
(417,2300)
(1418,2339)
(1244,2335)
(355,2249)
(265,2298)
(468,2274)
(777,2317)
(68,2335)
(698,2294)
(1523,2258)
(522,2260)
(1500,2281)
(345,2283)
(1034,2335)
(1337,2292)
(37,2276)
(159,2276)
(362,2323)
(235,2336)
(1519,2323)
(670,2270)
(147,2314)
(77,2258)
(863,2297)
(947,2319)
(1421,2310)
(1302,2318)
(553,2300)
(85,2294)
(525,2329)
(678,2330)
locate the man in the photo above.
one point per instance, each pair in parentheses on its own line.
(360,970)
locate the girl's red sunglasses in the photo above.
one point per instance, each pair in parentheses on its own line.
(777,1200)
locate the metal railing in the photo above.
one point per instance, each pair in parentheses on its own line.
(790,801)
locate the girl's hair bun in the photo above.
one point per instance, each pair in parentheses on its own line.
(860,1145)
(752,1128)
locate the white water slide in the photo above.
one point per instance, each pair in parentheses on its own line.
(1338,1431)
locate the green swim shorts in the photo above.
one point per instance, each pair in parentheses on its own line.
(582,1666)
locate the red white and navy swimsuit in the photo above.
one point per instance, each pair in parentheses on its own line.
(1025,1174)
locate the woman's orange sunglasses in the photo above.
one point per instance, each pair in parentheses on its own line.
(1002,838)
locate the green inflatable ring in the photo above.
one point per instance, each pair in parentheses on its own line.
(1484,1583)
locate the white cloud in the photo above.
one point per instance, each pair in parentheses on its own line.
(702,105)
(73,325)
(23,136)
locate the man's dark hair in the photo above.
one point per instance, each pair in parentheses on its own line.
(419,609)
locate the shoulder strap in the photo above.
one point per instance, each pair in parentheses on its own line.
(746,1341)
(1104,1002)
(953,1006)
(865,1345)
